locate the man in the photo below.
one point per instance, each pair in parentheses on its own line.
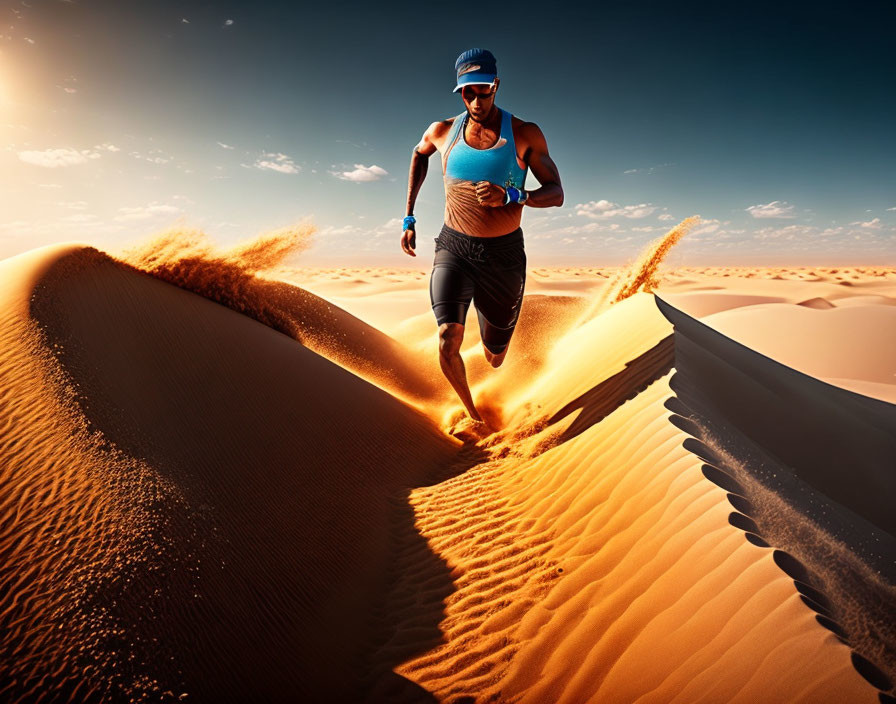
(486,153)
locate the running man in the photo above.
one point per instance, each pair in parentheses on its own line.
(479,254)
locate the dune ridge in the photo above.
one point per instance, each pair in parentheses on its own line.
(823,503)
(262,556)
(236,278)
(574,565)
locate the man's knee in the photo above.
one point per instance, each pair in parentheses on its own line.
(451,335)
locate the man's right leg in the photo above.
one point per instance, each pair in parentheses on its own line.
(450,292)
(451,335)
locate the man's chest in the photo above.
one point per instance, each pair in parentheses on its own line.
(480,137)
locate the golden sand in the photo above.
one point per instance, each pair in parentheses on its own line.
(195,503)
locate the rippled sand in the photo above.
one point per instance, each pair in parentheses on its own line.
(255,492)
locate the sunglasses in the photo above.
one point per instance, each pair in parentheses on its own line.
(470,95)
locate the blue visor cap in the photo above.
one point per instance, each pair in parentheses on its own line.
(475,67)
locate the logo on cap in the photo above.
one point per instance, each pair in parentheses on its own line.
(468,68)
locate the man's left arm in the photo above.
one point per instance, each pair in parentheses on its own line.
(543,169)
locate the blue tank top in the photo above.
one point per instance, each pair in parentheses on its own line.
(497,165)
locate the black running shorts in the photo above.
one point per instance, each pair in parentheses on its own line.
(490,272)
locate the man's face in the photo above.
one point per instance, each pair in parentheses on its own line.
(479,99)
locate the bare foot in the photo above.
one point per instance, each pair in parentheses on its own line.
(470,430)
(491,414)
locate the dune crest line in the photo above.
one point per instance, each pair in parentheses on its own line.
(243,279)
(169,253)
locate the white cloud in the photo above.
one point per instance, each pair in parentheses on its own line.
(29,40)
(362,173)
(360,236)
(870,225)
(594,229)
(775,209)
(107,147)
(891,209)
(602,209)
(597,206)
(224,146)
(164,159)
(822,239)
(666,216)
(705,226)
(69,88)
(648,170)
(73,204)
(391,227)
(144,212)
(50,230)
(789,232)
(76,218)
(275,161)
(54,158)
(184,20)
(344,230)
(227,23)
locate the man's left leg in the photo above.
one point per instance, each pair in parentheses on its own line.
(496,360)
(498,299)
(495,340)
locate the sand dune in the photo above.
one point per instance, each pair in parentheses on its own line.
(598,565)
(235,555)
(809,468)
(233,502)
(849,342)
(242,279)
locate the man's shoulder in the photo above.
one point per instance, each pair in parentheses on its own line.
(521,126)
(444,124)
(526,133)
(439,129)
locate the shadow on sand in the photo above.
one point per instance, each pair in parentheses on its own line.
(808,468)
(294,476)
(604,398)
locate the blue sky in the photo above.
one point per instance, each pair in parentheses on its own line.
(775,123)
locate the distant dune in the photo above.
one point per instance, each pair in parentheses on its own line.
(254,497)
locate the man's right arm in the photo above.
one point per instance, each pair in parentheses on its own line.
(419,164)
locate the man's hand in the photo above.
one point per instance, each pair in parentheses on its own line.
(489,194)
(409,241)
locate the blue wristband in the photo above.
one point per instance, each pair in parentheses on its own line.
(513,195)
(408,220)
